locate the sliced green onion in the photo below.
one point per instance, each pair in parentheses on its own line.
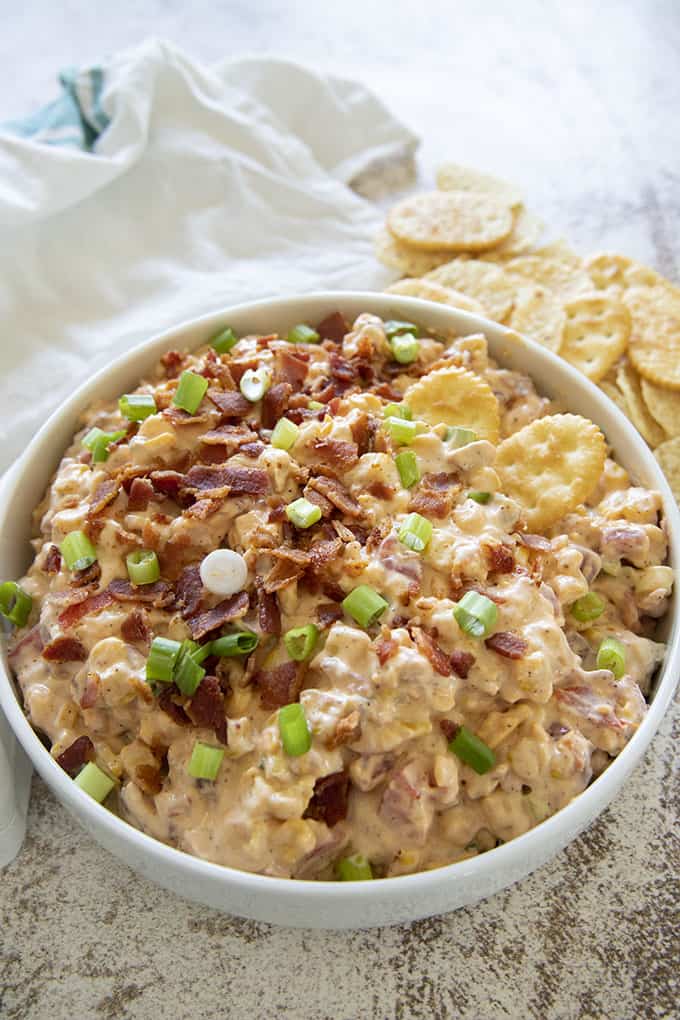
(364,605)
(98,442)
(302,513)
(255,382)
(393,327)
(398,411)
(187,673)
(78,551)
(356,868)
(588,607)
(92,780)
(474,752)
(401,430)
(415,532)
(458,436)
(476,614)
(407,466)
(205,761)
(143,566)
(161,660)
(15,603)
(224,341)
(295,735)
(480,497)
(303,334)
(405,348)
(300,642)
(190,391)
(199,652)
(137,406)
(315,405)
(241,642)
(284,435)
(611,655)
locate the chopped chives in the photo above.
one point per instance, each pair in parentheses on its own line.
(467,746)
(94,781)
(315,405)
(393,327)
(475,614)
(205,761)
(15,603)
(190,391)
(398,411)
(161,660)
(479,497)
(458,436)
(284,435)
(405,348)
(415,532)
(611,655)
(407,466)
(224,341)
(78,551)
(137,406)
(401,430)
(240,642)
(255,382)
(364,605)
(143,566)
(303,334)
(355,868)
(302,513)
(98,442)
(295,735)
(588,607)
(187,674)
(300,642)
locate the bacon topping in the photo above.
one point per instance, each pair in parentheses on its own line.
(380,490)
(328,613)
(291,366)
(53,560)
(148,778)
(206,708)
(103,495)
(172,361)
(430,503)
(279,686)
(64,649)
(449,728)
(203,508)
(461,662)
(140,493)
(283,573)
(166,702)
(337,453)
(329,800)
(334,327)
(230,609)
(134,627)
(433,652)
(77,610)
(511,646)
(231,403)
(274,403)
(252,450)
(178,417)
(336,493)
(76,755)
(342,371)
(268,613)
(347,730)
(189,591)
(89,575)
(215,480)
(500,558)
(230,436)
(322,553)
(385,648)
(158,594)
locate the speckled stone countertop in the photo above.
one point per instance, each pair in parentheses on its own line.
(578,103)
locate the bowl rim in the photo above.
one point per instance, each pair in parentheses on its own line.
(570,819)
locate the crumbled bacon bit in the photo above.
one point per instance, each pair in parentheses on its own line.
(388,392)
(64,649)
(252,450)
(172,362)
(279,686)
(140,493)
(159,593)
(53,560)
(76,755)
(337,453)
(328,613)
(229,609)
(315,497)
(240,366)
(329,799)
(167,483)
(77,610)
(203,508)
(283,573)
(89,575)
(500,558)
(179,418)
(148,778)
(336,493)
(134,628)
(449,728)
(291,367)
(380,490)
(232,437)
(214,480)
(324,552)
(268,612)
(342,370)
(274,403)
(511,646)
(103,495)
(461,662)
(347,730)
(171,707)
(189,591)
(206,708)
(430,503)
(385,648)
(435,654)
(298,556)
(231,403)
(334,327)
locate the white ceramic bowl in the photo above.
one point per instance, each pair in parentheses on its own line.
(328,904)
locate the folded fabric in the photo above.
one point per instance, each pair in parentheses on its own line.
(154,190)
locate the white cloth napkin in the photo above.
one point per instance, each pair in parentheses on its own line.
(207,186)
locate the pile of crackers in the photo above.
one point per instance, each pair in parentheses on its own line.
(473,244)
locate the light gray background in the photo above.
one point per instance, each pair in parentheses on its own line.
(580,104)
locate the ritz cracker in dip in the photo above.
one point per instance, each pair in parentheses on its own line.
(352,602)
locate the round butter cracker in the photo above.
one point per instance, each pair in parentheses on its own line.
(539,314)
(451,221)
(596,333)
(427,290)
(562,273)
(655,335)
(668,456)
(454,177)
(409,261)
(455,396)
(485,282)
(663,405)
(628,382)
